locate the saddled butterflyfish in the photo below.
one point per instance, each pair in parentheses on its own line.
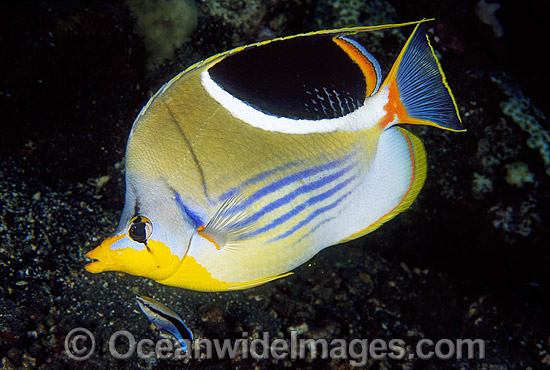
(248,163)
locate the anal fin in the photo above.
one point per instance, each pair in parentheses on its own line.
(401,149)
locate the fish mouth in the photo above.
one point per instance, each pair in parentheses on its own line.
(102,256)
(99,261)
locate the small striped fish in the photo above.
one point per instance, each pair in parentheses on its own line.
(167,320)
(247,164)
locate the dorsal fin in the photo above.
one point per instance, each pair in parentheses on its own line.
(306,78)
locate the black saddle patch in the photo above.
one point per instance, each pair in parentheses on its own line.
(308,77)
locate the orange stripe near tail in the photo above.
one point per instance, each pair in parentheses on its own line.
(368,66)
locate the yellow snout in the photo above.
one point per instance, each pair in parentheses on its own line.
(119,253)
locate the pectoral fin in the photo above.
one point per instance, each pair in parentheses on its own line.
(226,229)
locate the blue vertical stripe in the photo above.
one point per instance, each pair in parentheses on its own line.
(260,177)
(298,209)
(304,189)
(281,183)
(326,220)
(195,217)
(312,216)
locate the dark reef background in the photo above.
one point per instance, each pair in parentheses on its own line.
(470,259)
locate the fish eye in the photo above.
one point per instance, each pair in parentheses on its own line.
(140,229)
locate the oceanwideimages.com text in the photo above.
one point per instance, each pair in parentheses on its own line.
(80,345)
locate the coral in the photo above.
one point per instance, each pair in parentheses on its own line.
(486,13)
(520,109)
(518,174)
(349,13)
(481,185)
(516,219)
(247,16)
(165,26)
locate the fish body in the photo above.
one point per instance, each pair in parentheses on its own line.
(247,164)
(166,319)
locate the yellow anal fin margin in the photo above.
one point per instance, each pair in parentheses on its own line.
(253,283)
(419,167)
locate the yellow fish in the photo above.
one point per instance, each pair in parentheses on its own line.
(247,164)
